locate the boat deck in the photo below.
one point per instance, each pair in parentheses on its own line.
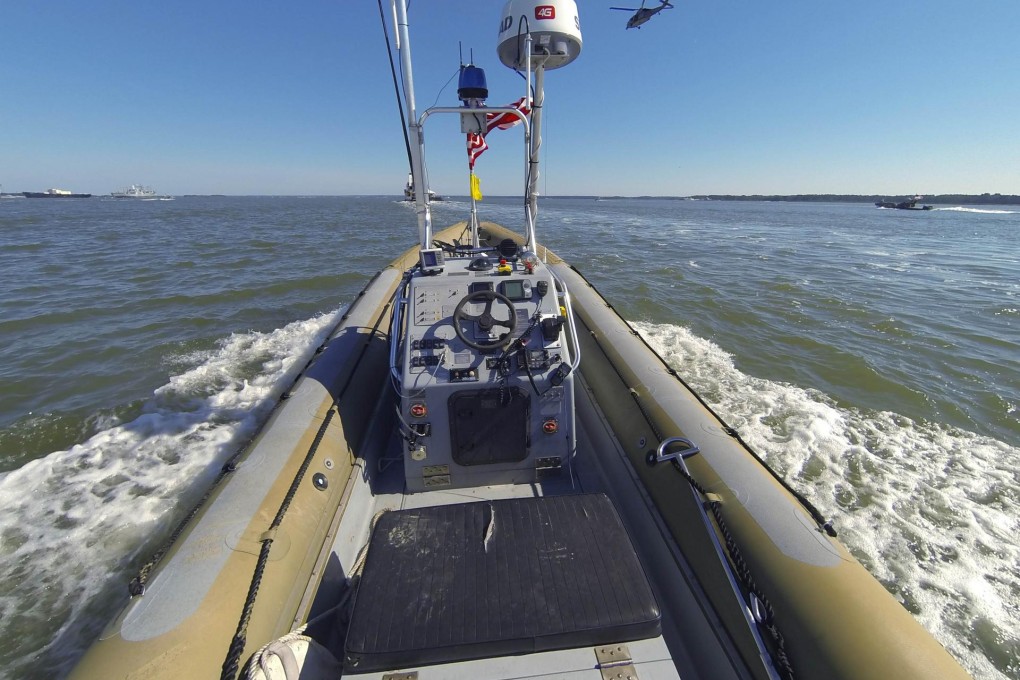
(572,599)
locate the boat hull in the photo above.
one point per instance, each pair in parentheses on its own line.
(905,205)
(183,623)
(44,194)
(308,464)
(836,618)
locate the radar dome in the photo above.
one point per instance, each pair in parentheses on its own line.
(554,27)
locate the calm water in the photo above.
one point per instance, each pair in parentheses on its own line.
(873,356)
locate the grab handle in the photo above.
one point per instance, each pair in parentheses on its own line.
(660,455)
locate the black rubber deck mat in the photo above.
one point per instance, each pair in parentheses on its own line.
(495,578)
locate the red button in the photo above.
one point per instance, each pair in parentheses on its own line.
(550,427)
(418,410)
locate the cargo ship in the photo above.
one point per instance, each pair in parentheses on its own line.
(53,193)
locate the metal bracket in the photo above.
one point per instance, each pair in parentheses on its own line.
(622,672)
(436,475)
(613,655)
(548,467)
(660,455)
(615,662)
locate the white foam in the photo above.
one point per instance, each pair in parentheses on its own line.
(960,208)
(927,508)
(75,521)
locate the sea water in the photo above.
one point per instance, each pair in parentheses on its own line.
(871,356)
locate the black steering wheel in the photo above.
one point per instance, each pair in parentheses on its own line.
(484,320)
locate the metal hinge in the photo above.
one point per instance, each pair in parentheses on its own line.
(436,475)
(413,675)
(615,662)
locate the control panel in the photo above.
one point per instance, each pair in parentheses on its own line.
(486,386)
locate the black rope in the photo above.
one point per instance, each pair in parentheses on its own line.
(743,572)
(396,88)
(138,583)
(231,664)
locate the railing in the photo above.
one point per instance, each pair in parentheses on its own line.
(395,336)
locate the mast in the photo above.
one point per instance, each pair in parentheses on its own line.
(535,143)
(421,188)
(537,37)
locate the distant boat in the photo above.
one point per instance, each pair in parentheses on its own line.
(53,193)
(903,205)
(409,191)
(3,195)
(137,191)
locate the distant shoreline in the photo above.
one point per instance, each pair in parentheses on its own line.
(942,199)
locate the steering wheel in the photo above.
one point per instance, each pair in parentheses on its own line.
(484,320)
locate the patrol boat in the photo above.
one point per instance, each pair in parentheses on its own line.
(484,472)
(409,191)
(137,191)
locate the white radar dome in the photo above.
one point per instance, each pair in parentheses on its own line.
(554,27)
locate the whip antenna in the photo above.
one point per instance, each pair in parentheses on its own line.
(396,87)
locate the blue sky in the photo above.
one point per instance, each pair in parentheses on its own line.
(729,96)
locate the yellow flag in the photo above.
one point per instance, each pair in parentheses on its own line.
(476,189)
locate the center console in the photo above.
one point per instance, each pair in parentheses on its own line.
(485,371)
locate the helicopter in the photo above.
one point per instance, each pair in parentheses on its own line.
(643,14)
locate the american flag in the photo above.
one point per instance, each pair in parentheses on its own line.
(475,146)
(504,121)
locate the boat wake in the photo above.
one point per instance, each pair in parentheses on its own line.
(983,211)
(942,536)
(77,523)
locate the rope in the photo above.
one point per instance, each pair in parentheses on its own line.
(237,644)
(232,662)
(137,584)
(258,660)
(743,572)
(780,657)
(823,522)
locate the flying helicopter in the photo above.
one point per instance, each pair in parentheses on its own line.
(642,13)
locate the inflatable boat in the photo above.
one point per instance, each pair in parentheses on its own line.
(485,472)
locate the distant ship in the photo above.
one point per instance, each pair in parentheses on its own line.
(409,191)
(3,195)
(136,191)
(903,205)
(53,193)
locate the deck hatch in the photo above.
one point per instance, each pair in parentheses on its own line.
(495,578)
(489,426)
